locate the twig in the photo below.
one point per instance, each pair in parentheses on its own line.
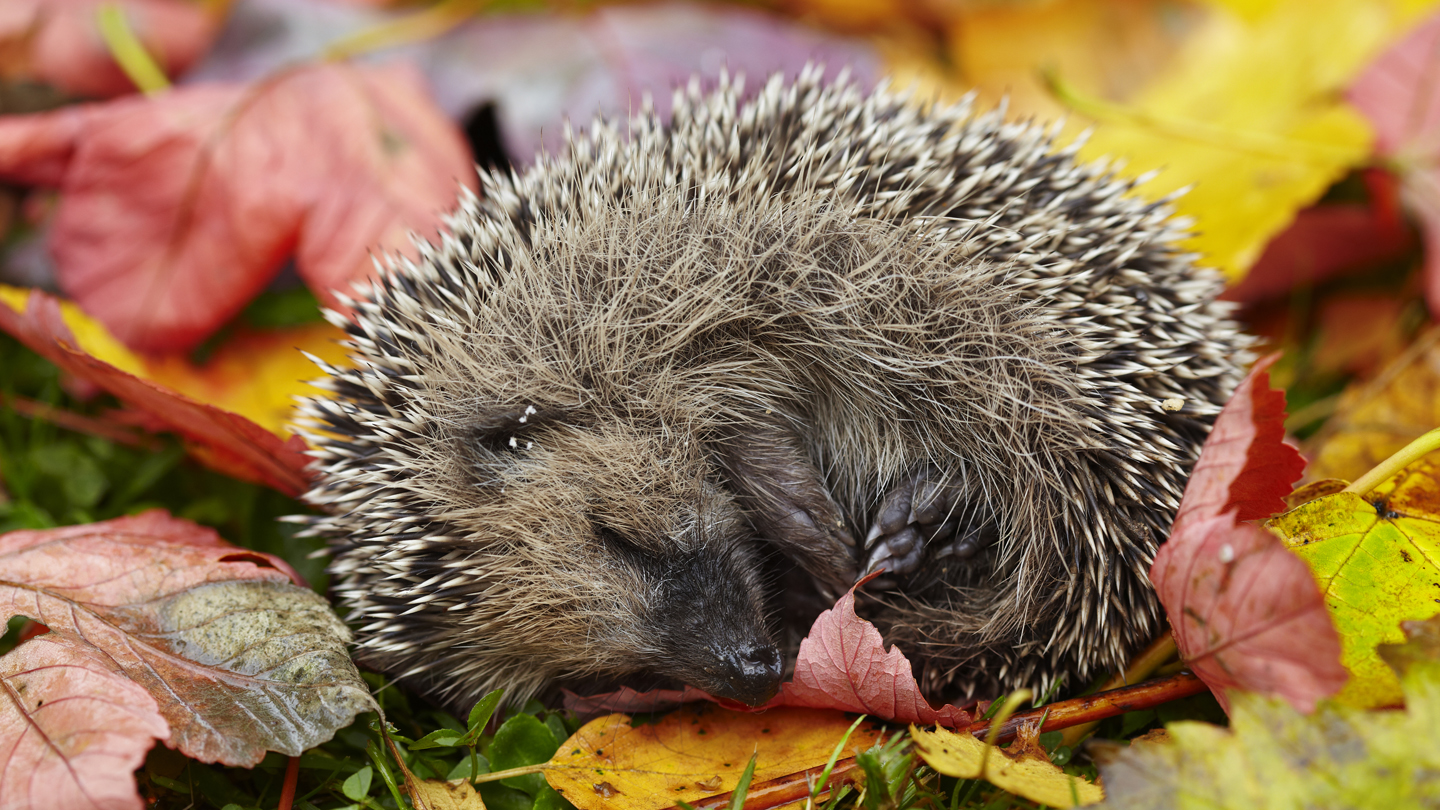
(1090,708)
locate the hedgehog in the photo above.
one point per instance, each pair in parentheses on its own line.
(645,404)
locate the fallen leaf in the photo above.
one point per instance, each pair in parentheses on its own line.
(1377,417)
(1023,770)
(1273,756)
(1323,242)
(176,209)
(225,441)
(694,752)
(1399,96)
(1251,152)
(843,664)
(58,42)
(433,794)
(72,729)
(1377,559)
(239,659)
(1245,612)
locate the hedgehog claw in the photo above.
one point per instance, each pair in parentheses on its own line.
(915,522)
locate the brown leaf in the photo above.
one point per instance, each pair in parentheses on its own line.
(177,209)
(239,659)
(1377,417)
(222,440)
(58,42)
(72,728)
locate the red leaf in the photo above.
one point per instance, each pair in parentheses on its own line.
(176,210)
(1246,612)
(238,660)
(223,440)
(842,665)
(72,729)
(1400,96)
(59,43)
(1323,242)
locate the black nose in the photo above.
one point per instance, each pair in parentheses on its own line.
(749,673)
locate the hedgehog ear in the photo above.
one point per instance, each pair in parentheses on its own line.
(503,430)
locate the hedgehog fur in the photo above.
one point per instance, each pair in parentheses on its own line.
(826,329)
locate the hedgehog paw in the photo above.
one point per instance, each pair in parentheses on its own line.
(918,522)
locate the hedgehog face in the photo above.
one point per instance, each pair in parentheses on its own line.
(620,536)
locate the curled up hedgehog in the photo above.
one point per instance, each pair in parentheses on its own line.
(648,394)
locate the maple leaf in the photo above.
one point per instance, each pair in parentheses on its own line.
(233,655)
(176,209)
(1246,613)
(58,42)
(225,441)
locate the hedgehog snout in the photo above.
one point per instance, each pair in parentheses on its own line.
(749,672)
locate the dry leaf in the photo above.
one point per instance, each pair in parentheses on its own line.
(433,794)
(239,659)
(692,753)
(176,209)
(1377,417)
(1245,612)
(1022,770)
(225,441)
(72,728)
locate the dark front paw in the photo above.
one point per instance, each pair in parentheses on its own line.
(918,523)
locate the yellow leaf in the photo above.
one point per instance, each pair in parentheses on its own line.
(1026,773)
(1240,99)
(255,373)
(1377,560)
(694,752)
(432,794)
(1377,417)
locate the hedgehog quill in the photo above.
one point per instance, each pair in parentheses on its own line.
(825,329)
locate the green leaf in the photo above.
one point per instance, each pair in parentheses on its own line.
(357,787)
(481,714)
(550,799)
(742,788)
(441,738)
(523,740)
(498,797)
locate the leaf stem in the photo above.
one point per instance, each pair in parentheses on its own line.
(418,27)
(129,53)
(506,774)
(1383,471)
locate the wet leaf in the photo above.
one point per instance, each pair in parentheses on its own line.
(1023,769)
(1398,94)
(58,42)
(326,163)
(1246,613)
(1273,756)
(72,728)
(1377,417)
(692,753)
(239,659)
(1377,559)
(225,441)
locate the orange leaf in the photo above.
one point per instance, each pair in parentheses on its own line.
(692,753)
(225,441)
(177,209)
(1245,611)
(238,658)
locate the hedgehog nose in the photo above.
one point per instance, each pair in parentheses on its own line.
(751,673)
